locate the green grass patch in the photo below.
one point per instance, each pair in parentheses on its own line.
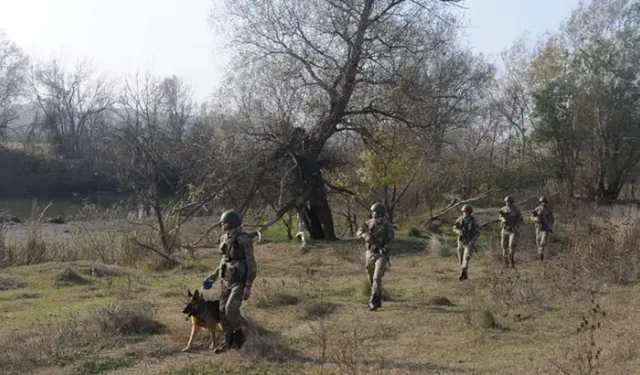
(101,366)
(278,232)
(359,293)
(444,252)
(415,232)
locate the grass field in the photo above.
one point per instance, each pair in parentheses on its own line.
(308,312)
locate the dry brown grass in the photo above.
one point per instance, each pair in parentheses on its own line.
(308,314)
(71,339)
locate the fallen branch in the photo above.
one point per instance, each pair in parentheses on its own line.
(457,202)
(165,256)
(286,208)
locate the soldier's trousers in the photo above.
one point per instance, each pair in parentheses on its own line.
(508,243)
(376,266)
(464,254)
(541,240)
(230,302)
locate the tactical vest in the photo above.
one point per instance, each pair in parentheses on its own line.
(467,227)
(235,267)
(378,233)
(511,217)
(543,215)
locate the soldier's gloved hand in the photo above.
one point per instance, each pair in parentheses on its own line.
(246,294)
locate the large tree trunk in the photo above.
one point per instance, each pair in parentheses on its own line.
(315,212)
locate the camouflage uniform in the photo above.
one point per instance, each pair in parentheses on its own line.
(510,218)
(382,234)
(543,218)
(468,230)
(238,270)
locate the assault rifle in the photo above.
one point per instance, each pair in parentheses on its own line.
(535,214)
(466,238)
(376,247)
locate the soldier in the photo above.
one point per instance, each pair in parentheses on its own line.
(543,218)
(237,269)
(510,220)
(468,230)
(378,233)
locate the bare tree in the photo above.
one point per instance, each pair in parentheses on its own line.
(346,61)
(588,96)
(13,69)
(71,104)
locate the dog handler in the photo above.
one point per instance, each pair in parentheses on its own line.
(237,269)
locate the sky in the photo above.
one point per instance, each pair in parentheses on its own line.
(169,37)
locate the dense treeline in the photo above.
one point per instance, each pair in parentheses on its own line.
(342,102)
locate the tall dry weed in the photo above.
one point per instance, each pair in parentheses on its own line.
(585,356)
(34,250)
(604,248)
(4,248)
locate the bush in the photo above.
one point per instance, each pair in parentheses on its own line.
(604,248)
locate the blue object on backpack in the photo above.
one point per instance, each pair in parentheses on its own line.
(207,284)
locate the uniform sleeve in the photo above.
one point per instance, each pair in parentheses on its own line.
(391,233)
(222,243)
(363,229)
(535,215)
(519,218)
(456,226)
(247,243)
(214,276)
(476,228)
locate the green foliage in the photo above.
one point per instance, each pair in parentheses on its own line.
(444,252)
(415,232)
(101,366)
(388,163)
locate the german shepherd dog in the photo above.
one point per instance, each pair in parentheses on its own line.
(202,314)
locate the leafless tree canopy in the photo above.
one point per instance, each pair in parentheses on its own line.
(333,66)
(73,104)
(13,69)
(331,105)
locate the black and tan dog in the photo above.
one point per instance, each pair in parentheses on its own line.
(203,315)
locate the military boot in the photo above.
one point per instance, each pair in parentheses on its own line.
(374,302)
(371,305)
(512,260)
(463,275)
(228,342)
(238,339)
(505,259)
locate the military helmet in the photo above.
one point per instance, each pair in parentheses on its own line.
(543,199)
(508,199)
(232,218)
(379,208)
(467,208)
